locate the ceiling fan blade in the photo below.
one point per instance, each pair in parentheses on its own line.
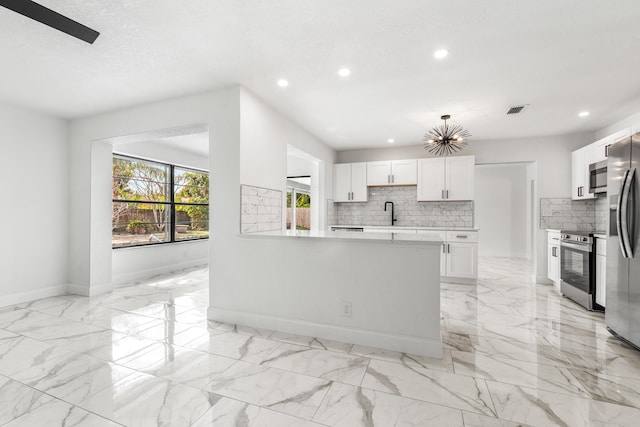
(37,12)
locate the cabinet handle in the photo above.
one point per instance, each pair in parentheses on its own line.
(461,236)
(448,248)
(388,179)
(606,150)
(442,194)
(447,191)
(444,248)
(393,179)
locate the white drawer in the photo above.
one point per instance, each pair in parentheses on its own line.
(554,237)
(390,230)
(601,247)
(462,236)
(440,233)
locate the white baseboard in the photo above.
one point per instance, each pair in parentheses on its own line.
(89,291)
(458,280)
(17,298)
(118,279)
(401,343)
(543,280)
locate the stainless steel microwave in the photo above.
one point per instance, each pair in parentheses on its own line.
(598,178)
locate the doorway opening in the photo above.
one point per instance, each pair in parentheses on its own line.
(299,203)
(304,205)
(505,210)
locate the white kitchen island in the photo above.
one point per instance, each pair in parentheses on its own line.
(379,290)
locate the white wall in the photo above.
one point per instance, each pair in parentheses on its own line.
(34,218)
(129,264)
(161,153)
(501,209)
(90,167)
(627,122)
(265,136)
(552,156)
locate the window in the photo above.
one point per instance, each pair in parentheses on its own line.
(157,203)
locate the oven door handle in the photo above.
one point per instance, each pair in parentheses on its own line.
(624,212)
(576,246)
(619,228)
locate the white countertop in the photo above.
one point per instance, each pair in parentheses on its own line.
(422,238)
(406,227)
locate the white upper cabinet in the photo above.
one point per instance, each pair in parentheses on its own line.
(449,178)
(379,173)
(350,182)
(601,149)
(431,179)
(404,172)
(580,161)
(460,177)
(396,172)
(359,191)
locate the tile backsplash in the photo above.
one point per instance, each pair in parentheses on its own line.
(567,214)
(409,212)
(261,209)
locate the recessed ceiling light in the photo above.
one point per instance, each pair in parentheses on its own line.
(283,83)
(583,114)
(439,54)
(391,141)
(344,72)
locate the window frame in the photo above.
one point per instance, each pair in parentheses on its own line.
(171,204)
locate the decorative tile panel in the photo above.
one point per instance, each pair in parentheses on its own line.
(567,214)
(409,212)
(261,209)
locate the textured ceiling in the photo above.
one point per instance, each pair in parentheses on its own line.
(561,57)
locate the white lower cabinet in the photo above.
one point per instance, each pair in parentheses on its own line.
(459,255)
(462,260)
(553,257)
(601,272)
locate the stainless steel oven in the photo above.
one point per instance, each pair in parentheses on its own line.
(598,178)
(577,268)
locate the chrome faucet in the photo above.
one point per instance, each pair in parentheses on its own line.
(393,217)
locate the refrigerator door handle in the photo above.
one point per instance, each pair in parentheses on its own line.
(625,213)
(622,225)
(621,241)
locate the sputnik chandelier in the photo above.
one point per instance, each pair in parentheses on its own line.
(446,139)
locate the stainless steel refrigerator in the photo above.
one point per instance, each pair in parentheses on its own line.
(622,315)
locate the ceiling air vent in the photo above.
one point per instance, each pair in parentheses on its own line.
(516,109)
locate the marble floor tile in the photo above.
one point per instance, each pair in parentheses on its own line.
(542,377)
(609,388)
(544,354)
(444,364)
(350,406)
(515,353)
(174,333)
(442,388)
(320,343)
(545,408)
(72,378)
(18,352)
(477,420)
(57,413)
(294,394)
(236,346)
(232,413)
(17,399)
(145,400)
(323,364)
(190,367)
